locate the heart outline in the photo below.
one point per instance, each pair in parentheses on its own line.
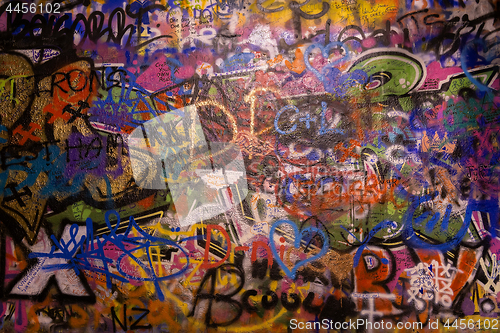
(325,51)
(296,244)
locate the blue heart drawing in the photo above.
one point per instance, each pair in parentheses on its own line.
(471,60)
(325,51)
(296,243)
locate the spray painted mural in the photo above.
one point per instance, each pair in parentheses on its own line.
(249,166)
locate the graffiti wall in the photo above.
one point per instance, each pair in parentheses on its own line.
(249,166)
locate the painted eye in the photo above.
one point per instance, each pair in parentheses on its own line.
(378,79)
